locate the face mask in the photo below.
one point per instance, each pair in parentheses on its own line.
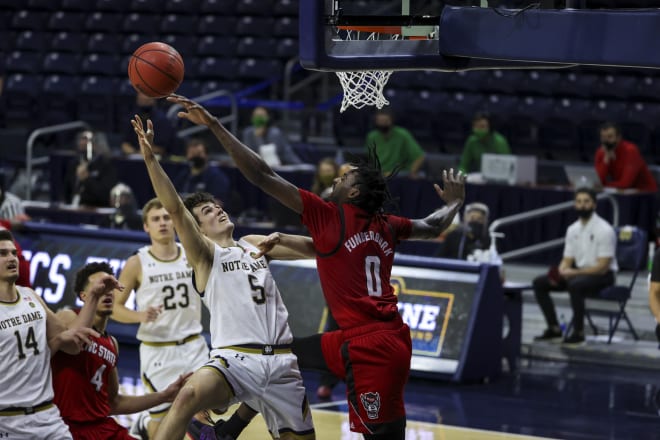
(584,213)
(259,121)
(476,228)
(383,128)
(197,162)
(609,145)
(480,132)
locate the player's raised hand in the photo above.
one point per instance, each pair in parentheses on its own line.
(267,244)
(169,393)
(145,138)
(104,284)
(79,336)
(194,112)
(454,187)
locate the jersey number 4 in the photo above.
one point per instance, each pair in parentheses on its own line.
(169,301)
(29,342)
(97,379)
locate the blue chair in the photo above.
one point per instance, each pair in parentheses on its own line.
(255,26)
(29,20)
(112,5)
(504,80)
(630,254)
(24,62)
(61,62)
(256,47)
(56,100)
(213,68)
(286,27)
(184,44)
(287,48)
(182,6)
(76,5)
(68,42)
(221,7)
(148,6)
(31,41)
(141,23)
(66,21)
(96,102)
(539,82)
(215,46)
(178,24)
(19,96)
(254,7)
(100,64)
(46,5)
(107,22)
(103,43)
(254,68)
(133,41)
(617,86)
(216,25)
(286,7)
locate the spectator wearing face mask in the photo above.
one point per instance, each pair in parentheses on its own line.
(200,175)
(397,149)
(327,171)
(482,140)
(619,163)
(268,140)
(470,236)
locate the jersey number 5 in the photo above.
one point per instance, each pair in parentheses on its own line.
(372,269)
(260,296)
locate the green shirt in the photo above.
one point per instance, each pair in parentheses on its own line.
(475,146)
(396,148)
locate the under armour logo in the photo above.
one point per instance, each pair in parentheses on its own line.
(239,356)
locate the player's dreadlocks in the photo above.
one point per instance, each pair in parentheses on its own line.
(374,195)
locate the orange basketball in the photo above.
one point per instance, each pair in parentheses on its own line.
(156,69)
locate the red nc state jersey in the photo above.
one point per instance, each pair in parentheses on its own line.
(354,259)
(80,381)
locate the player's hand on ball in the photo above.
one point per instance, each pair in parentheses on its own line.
(195,113)
(169,393)
(454,187)
(145,138)
(267,244)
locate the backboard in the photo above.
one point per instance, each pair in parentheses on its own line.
(457,38)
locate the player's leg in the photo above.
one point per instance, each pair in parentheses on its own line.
(232,428)
(206,388)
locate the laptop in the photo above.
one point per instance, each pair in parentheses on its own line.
(581,176)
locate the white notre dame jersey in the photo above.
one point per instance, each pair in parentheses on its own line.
(25,360)
(168,284)
(245,305)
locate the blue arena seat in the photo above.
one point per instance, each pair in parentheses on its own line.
(254,7)
(141,23)
(220,7)
(133,41)
(186,45)
(9,5)
(286,27)
(504,80)
(100,64)
(96,103)
(287,48)
(286,7)
(76,5)
(216,25)
(213,68)
(182,6)
(19,96)
(112,5)
(68,42)
(148,6)
(66,21)
(255,26)
(260,68)
(57,85)
(217,46)
(24,62)
(189,88)
(256,47)
(31,41)
(210,86)
(56,100)
(43,5)
(103,43)
(617,86)
(577,84)
(25,19)
(103,22)
(178,24)
(539,82)
(61,62)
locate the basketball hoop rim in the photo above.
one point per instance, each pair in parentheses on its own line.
(394,30)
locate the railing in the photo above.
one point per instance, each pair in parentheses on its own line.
(231,118)
(516,218)
(30,161)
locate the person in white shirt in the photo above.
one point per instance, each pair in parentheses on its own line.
(588,266)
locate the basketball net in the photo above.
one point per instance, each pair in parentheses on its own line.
(365,87)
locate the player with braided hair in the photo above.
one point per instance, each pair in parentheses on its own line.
(353,242)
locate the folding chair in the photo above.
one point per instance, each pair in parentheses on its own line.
(631,249)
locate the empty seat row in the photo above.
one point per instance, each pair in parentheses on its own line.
(229,7)
(153,23)
(187,46)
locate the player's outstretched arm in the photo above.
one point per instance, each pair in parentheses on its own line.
(199,249)
(453,195)
(129,278)
(68,340)
(253,167)
(278,246)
